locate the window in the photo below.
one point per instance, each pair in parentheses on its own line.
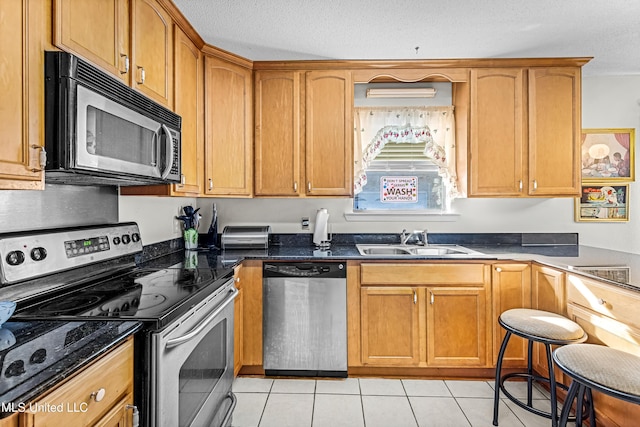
(402,178)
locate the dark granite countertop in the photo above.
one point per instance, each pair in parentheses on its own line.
(37,355)
(558,250)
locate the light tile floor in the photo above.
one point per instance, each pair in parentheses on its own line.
(372,402)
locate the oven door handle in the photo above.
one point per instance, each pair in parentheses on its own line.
(234,400)
(195,331)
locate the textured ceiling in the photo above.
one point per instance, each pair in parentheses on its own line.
(375,29)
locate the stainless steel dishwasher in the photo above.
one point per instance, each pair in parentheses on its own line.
(305,318)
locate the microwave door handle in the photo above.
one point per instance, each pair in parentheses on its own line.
(154,149)
(169,144)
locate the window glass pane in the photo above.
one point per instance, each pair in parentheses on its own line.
(430,194)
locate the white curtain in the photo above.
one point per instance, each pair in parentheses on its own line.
(375,126)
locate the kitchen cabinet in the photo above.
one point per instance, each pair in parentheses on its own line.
(97,31)
(101,394)
(524,132)
(251,283)
(131,39)
(303,133)
(426,315)
(548,294)
(238,321)
(23,27)
(152,51)
(390,326)
(228,129)
(511,288)
(608,314)
(189,104)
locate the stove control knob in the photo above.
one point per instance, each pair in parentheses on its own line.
(15,258)
(15,369)
(38,356)
(116,240)
(135,237)
(126,239)
(38,254)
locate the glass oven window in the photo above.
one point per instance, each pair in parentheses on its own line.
(201,372)
(114,137)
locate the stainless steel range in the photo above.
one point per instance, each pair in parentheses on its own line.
(184,354)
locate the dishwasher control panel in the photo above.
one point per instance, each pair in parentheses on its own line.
(305,269)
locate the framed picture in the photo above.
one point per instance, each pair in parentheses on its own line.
(608,155)
(603,202)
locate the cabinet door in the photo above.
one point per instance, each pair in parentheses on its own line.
(497,135)
(511,289)
(457,326)
(329,133)
(548,294)
(189,105)
(228,129)
(152,67)
(389,326)
(277,134)
(96,30)
(22,86)
(251,282)
(554,131)
(238,324)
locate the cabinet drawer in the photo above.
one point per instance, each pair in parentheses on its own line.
(611,301)
(416,274)
(72,403)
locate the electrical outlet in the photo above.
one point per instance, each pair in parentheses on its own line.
(305,223)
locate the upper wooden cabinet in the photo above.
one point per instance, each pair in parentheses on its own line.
(99,32)
(189,104)
(228,129)
(152,51)
(524,129)
(303,133)
(22,28)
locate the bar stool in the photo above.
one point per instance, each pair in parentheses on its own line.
(535,326)
(601,368)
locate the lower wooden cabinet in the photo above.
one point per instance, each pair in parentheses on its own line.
(390,326)
(98,395)
(441,321)
(511,288)
(251,283)
(238,322)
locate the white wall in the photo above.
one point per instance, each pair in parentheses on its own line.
(607,102)
(155,215)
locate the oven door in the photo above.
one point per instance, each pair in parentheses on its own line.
(113,138)
(192,366)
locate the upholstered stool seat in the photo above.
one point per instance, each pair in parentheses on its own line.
(535,326)
(601,368)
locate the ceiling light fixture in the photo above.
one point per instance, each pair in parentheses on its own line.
(415,92)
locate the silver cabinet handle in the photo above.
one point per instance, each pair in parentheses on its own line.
(535,185)
(432,298)
(42,157)
(601,301)
(142,75)
(183,179)
(135,415)
(498,269)
(98,395)
(295,186)
(126,63)
(210,184)
(415,297)
(520,185)
(309,186)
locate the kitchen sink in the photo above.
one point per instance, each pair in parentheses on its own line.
(416,251)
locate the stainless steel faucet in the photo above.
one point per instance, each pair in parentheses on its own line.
(422,237)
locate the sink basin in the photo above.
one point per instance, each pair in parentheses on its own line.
(416,251)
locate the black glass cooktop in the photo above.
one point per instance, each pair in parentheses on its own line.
(147,294)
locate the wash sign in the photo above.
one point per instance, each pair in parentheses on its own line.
(399,189)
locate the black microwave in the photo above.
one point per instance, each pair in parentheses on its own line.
(99,131)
